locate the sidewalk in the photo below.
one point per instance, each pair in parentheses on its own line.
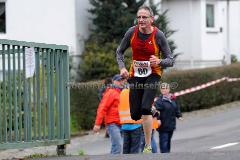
(77,146)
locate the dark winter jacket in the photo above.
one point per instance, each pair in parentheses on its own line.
(169,110)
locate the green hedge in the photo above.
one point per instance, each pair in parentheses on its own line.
(218,94)
(84,99)
(84,102)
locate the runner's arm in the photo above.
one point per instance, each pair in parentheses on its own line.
(125,43)
(167,60)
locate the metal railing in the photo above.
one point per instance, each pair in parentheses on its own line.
(34,109)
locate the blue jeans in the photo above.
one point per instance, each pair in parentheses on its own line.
(132,141)
(153,142)
(114,131)
(165,141)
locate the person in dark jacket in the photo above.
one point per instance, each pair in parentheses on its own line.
(169,110)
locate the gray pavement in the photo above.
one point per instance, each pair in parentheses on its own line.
(194,138)
(220,155)
(205,129)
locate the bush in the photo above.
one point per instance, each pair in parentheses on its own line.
(218,94)
(100,62)
(234,58)
(84,100)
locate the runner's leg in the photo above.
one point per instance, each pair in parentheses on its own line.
(149,94)
(135,98)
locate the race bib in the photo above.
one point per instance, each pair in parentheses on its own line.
(142,68)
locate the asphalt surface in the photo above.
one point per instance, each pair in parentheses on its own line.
(199,132)
(211,134)
(203,130)
(223,155)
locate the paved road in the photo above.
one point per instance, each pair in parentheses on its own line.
(204,130)
(223,155)
(199,132)
(194,139)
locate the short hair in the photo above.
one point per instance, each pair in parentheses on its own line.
(145,7)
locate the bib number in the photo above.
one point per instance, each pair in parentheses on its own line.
(142,68)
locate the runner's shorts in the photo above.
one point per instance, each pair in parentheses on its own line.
(142,93)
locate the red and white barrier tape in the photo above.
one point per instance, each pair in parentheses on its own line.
(205,85)
(233,79)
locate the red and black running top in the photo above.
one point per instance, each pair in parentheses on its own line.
(143,49)
(143,46)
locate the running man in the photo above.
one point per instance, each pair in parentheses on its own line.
(150,53)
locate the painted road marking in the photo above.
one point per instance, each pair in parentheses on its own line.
(225,145)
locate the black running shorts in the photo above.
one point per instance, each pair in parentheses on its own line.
(142,93)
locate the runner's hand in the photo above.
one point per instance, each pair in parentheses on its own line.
(154,60)
(124,73)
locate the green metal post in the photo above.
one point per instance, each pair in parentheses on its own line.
(9,93)
(38,94)
(4,96)
(57,92)
(51,87)
(15,97)
(66,96)
(19,94)
(25,97)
